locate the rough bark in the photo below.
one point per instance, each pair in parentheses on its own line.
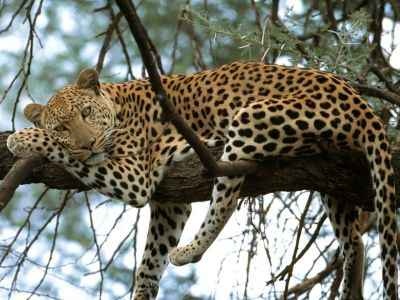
(344,176)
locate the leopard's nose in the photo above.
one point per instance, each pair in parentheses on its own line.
(89,143)
(92,140)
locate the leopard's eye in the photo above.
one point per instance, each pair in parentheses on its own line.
(60,128)
(86,111)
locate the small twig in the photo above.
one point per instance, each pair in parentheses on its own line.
(305,285)
(257,16)
(210,38)
(336,264)
(98,251)
(52,248)
(24,254)
(311,241)
(251,251)
(123,46)
(21,170)
(103,268)
(196,41)
(11,84)
(15,14)
(40,295)
(28,55)
(114,225)
(7,249)
(176,37)
(155,53)
(330,15)
(101,8)
(135,254)
(296,247)
(106,42)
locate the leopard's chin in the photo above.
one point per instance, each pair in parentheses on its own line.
(96,158)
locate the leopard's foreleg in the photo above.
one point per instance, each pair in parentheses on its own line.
(113,177)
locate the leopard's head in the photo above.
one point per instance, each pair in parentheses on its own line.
(79,116)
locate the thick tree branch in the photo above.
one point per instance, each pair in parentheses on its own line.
(344,176)
(376,92)
(19,172)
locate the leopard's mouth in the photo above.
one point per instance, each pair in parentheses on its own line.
(89,157)
(96,158)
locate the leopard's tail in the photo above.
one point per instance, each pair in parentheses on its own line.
(378,155)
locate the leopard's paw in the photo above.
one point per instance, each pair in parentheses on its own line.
(18,144)
(25,142)
(184,255)
(142,296)
(146,291)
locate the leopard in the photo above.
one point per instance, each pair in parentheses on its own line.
(114,139)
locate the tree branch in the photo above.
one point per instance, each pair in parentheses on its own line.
(307,284)
(140,35)
(107,41)
(376,92)
(20,171)
(344,176)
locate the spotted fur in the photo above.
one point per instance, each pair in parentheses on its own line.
(110,136)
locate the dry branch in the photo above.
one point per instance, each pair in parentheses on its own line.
(20,171)
(307,284)
(344,176)
(149,57)
(107,41)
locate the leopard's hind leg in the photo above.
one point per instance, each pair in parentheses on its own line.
(345,222)
(224,202)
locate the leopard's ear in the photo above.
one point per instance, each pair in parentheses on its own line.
(89,79)
(33,112)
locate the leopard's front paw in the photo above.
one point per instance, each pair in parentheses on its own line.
(28,141)
(142,296)
(184,255)
(19,143)
(146,291)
